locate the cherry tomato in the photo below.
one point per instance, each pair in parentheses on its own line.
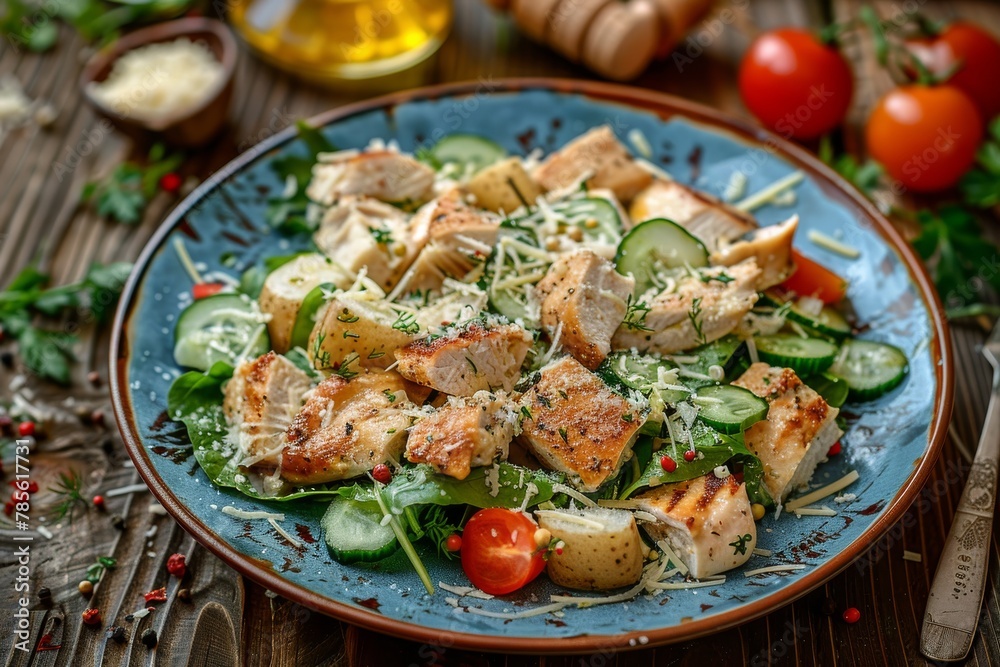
(969,51)
(815,280)
(795,84)
(202,290)
(925,136)
(453,542)
(499,554)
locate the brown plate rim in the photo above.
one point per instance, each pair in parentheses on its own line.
(665,106)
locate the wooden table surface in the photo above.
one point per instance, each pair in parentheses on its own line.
(233,621)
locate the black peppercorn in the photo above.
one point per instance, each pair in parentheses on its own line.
(149,637)
(129,618)
(45,596)
(117,521)
(118,634)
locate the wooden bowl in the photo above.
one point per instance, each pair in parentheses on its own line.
(191,127)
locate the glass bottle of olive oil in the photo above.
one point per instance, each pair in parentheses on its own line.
(343,41)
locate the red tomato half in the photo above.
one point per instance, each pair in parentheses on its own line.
(925,136)
(973,54)
(815,280)
(794,84)
(499,554)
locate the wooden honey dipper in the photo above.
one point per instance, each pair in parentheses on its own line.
(616,39)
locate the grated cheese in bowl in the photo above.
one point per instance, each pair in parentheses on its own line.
(161,80)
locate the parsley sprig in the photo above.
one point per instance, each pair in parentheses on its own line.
(981,185)
(124,194)
(70,487)
(48,352)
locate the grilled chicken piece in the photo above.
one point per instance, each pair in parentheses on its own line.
(710,220)
(483,354)
(504,186)
(366,233)
(464,433)
(353,323)
(287,286)
(261,400)
(575,424)
(706,521)
(384,175)
(583,301)
(697,311)
(600,157)
(347,427)
(453,238)
(799,430)
(770,247)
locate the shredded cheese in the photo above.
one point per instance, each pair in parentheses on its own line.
(640,143)
(284,533)
(793,567)
(832,244)
(528,613)
(680,585)
(672,557)
(574,494)
(591,601)
(766,553)
(569,517)
(465,591)
(767,195)
(814,511)
(820,494)
(126,490)
(913,556)
(243,514)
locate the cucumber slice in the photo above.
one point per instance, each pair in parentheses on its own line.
(628,370)
(305,319)
(510,304)
(729,409)
(597,217)
(728,352)
(353,532)
(655,246)
(219,328)
(833,389)
(870,369)
(805,356)
(829,322)
(467,149)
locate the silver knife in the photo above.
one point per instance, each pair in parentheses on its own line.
(956,594)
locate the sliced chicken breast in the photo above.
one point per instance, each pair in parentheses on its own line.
(384,175)
(287,286)
(364,233)
(352,324)
(575,424)
(464,433)
(484,354)
(770,247)
(260,402)
(504,186)
(799,430)
(583,301)
(706,521)
(697,310)
(453,238)
(347,427)
(713,222)
(600,158)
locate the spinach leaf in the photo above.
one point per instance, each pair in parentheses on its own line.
(420,485)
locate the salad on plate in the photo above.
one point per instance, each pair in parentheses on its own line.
(568,364)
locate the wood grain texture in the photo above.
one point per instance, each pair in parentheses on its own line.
(233,622)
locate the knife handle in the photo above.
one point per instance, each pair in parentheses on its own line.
(956,594)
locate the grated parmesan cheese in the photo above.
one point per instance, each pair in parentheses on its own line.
(243,514)
(820,494)
(284,533)
(768,194)
(160,81)
(832,244)
(814,511)
(792,567)
(913,556)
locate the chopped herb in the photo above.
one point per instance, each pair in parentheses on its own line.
(472,363)
(321,357)
(628,416)
(375,354)
(390,395)
(740,545)
(563,435)
(351,334)
(721,277)
(635,315)
(563,394)
(406,322)
(382,235)
(694,316)
(347,316)
(526,412)
(544,401)
(344,369)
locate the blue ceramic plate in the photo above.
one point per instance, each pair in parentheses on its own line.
(892,442)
